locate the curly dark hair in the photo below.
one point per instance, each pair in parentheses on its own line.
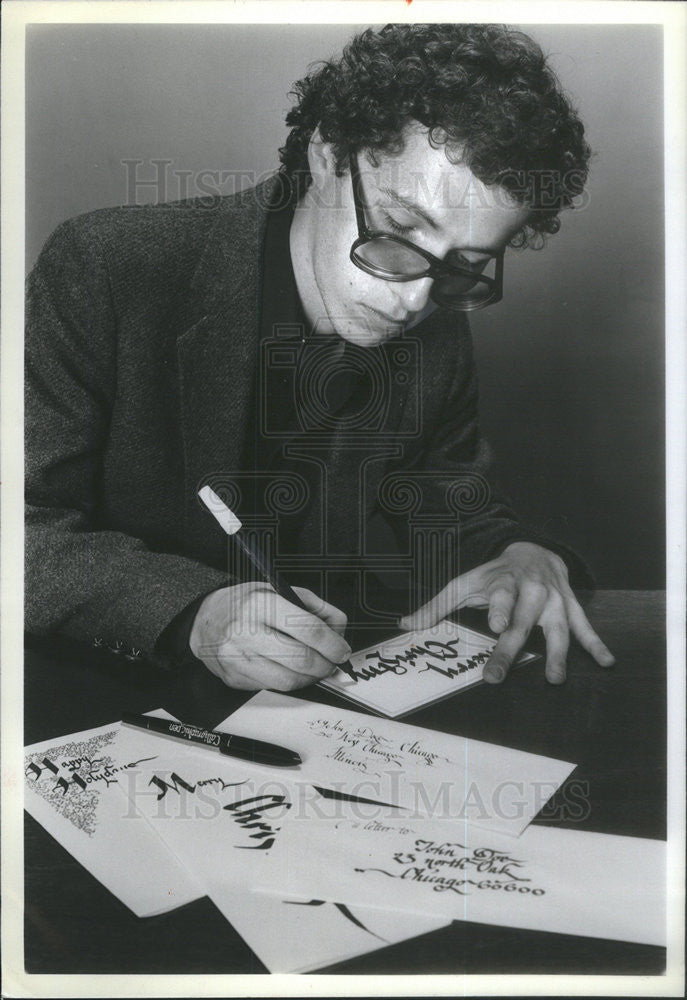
(484,91)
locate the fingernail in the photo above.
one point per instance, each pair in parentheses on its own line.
(556,677)
(498,623)
(607,658)
(345,656)
(494,675)
(405,624)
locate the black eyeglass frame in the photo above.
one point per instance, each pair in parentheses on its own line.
(436,268)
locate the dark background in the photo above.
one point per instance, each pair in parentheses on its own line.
(571,361)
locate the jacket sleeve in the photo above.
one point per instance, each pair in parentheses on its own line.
(86,581)
(459,490)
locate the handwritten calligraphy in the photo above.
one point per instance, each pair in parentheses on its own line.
(339,907)
(408,671)
(430,651)
(250,814)
(65,776)
(437,864)
(362,748)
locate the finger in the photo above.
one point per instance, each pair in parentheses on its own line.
(464,590)
(501,604)
(234,673)
(256,673)
(307,629)
(557,635)
(272,644)
(586,636)
(528,609)
(330,614)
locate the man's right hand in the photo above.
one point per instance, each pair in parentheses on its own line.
(252,638)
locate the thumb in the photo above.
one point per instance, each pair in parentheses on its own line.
(459,593)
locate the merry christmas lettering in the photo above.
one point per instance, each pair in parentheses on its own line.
(432,650)
(251,813)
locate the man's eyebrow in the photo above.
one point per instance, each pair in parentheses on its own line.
(410,206)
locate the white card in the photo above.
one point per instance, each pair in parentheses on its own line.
(566,881)
(432,773)
(73,790)
(222,821)
(292,935)
(415,669)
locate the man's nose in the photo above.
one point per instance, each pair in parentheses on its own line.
(413,295)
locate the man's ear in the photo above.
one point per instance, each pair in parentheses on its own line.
(321,159)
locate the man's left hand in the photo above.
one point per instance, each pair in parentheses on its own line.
(526,586)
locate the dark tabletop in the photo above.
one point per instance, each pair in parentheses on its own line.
(611,723)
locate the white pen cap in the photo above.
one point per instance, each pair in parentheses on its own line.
(219,510)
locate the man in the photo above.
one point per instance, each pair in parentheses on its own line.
(264,342)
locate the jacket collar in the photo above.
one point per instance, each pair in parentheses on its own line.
(218,348)
(227,265)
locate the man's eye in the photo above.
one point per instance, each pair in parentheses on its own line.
(395,226)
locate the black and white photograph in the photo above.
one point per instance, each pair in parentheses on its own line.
(343,499)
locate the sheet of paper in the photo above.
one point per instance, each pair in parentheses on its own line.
(73,789)
(222,821)
(415,669)
(290,935)
(565,881)
(432,773)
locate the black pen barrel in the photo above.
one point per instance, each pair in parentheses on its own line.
(232,746)
(259,751)
(267,571)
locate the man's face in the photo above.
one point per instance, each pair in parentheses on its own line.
(418,194)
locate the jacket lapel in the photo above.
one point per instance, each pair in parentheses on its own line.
(217,355)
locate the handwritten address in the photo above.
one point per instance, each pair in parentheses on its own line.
(362,748)
(452,867)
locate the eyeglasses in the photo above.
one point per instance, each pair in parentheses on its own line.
(462,287)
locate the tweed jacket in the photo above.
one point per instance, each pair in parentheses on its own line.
(141,354)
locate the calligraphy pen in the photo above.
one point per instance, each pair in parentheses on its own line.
(262,563)
(232,746)
(231,524)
